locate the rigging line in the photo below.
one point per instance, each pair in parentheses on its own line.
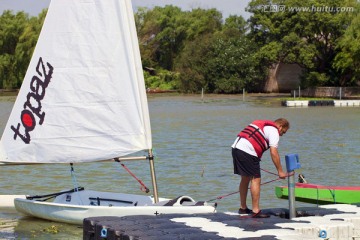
(229,194)
(226,195)
(75,183)
(73,177)
(143,187)
(268,171)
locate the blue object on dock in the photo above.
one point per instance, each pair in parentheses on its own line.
(323,234)
(292,162)
(103,233)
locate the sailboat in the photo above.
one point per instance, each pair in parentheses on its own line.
(83,99)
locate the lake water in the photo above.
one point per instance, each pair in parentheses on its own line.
(191,140)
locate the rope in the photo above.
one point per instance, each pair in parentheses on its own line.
(73,177)
(268,171)
(142,187)
(75,183)
(229,194)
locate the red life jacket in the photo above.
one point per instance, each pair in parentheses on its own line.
(256,137)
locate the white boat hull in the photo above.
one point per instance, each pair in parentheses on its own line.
(75,213)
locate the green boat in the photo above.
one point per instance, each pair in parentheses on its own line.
(320,194)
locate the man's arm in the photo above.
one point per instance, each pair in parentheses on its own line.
(276,160)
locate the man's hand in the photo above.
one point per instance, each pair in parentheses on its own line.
(282,174)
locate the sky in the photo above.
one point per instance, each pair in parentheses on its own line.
(226,7)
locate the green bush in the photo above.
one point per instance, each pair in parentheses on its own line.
(163,79)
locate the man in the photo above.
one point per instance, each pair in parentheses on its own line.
(247,150)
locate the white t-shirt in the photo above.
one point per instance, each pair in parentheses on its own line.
(271,133)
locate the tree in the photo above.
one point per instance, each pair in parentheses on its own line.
(222,62)
(234,25)
(164,31)
(232,66)
(11,27)
(26,44)
(18,37)
(347,61)
(305,33)
(159,35)
(201,22)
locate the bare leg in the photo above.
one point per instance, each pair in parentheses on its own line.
(243,189)
(255,194)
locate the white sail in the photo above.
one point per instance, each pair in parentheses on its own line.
(83,97)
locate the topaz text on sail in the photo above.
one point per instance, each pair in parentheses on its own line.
(33,112)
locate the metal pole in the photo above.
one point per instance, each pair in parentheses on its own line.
(153,176)
(340,93)
(291,189)
(243,94)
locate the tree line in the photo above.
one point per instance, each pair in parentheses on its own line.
(192,50)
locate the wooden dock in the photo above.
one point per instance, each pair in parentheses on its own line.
(337,221)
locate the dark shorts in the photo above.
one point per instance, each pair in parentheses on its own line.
(245,164)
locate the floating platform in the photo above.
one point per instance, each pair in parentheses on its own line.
(295,103)
(347,103)
(337,221)
(313,103)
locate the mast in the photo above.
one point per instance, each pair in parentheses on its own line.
(153,176)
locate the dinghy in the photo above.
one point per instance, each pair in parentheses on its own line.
(83,99)
(320,194)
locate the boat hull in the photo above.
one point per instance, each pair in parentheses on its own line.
(74,213)
(320,194)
